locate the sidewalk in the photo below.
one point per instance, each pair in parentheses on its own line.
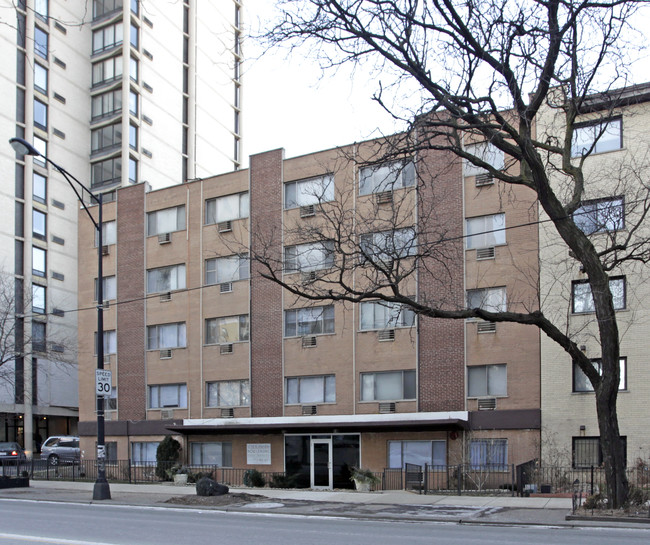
(386,505)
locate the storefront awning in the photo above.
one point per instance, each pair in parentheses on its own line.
(325,424)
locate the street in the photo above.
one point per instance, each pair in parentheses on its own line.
(85,524)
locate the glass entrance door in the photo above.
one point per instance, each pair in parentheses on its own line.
(321,463)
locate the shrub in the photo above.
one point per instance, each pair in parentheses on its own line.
(254,479)
(167,453)
(595,501)
(637,497)
(196,477)
(280,480)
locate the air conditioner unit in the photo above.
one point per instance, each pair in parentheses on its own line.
(386,335)
(107,359)
(385,197)
(309,410)
(308,341)
(487,404)
(166,354)
(307,211)
(485,253)
(164,238)
(225,287)
(387,408)
(106,305)
(486,327)
(105,250)
(308,276)
(225,226)
(166,414)
(484,179)
(164,297)
(228,413)
(226,349)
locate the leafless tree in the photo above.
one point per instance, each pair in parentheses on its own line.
(480,71)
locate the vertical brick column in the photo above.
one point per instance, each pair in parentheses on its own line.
(131,334)
(441,356)
(266,314)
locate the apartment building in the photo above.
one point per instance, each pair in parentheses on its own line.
(70,69)
(613,214)
(246,375)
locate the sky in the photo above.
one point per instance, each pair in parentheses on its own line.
(288,102)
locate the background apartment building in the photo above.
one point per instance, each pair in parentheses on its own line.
(615,202)
(247,375)
(116,93)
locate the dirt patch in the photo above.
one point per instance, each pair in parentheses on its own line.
(239,498)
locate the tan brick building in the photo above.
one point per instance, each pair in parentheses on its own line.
(247,375)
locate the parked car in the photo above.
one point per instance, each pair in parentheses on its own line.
(61,449)
(11,453)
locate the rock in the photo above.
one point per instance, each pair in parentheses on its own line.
(209,487)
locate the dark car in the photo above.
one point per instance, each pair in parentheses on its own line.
(11,453)
(61,449)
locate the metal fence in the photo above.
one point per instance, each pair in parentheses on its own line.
(524,479)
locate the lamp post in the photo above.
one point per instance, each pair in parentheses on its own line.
(101,490)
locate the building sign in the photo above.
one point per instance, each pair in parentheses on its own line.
(258,454)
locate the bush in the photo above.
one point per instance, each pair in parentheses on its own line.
(209,487)
(595,501)
(637,497)
(254,479)
(280,480)
(167,453)
(196,477)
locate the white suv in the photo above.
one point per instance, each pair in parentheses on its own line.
(61,448)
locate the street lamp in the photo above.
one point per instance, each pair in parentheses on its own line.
(101,490)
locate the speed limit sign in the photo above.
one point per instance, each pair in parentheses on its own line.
(102,382)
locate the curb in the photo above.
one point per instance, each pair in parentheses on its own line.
(626,520)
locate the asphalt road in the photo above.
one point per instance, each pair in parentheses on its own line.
(28,522)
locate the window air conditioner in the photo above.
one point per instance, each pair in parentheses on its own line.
(308,341)
(307,211)
(225,226)
(484,179)
(228,413)
(486,327)
(386,335)
(166,414)
(385,197)
(166,354)
(164,238)
(226,349)
(164,297)
(487,404)
(387,408)
(309,410)
(225,287)
(105,250)
(485,253)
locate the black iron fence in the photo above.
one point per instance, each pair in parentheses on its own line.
(525,479)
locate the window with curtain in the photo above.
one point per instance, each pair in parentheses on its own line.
(212,453)
(311,191)
(165,279)
(314,389)
(384,315)
(486,152)
(168,395)
(433,453)
(229,329)
(386,177)
(309,321)
(230,207)
(485,231)
(388,386)
(166,221)
(228,393)
(163,336)
(226,269)
(487,380)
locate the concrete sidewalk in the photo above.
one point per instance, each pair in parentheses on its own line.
(394,505)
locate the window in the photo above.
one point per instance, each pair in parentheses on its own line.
(388,386)
(106,138)
(164,336)
(39,188)
(110,404)
(39,261)
(40,114)
(166,221)
(109,233)
(226,269)
(316,389)
(489,453)
(168,395)
(133,69)
(40,78)
(41,147)
(400,453)
(166,279)
(109,288)
(489,299)
(309,321)
(376,179)
(384,315)
(230,329)
(110,342)
(597,137)
(40,42)
(488,153)
(107,37)
(40,8)
(487,380)
(582,384)
(39,336)
(309,257)
(107,70)
(134,6)
(227,208)
(485,231)
(311,191)
(38,299)
(39,224)
(133,137)
(213,454)
(388,245)
(106,172)
(134,35)
(133,103)
(228,393)
(587,451)
(133,170)
(583,301)
(600,216)
(144,453)
(103,7)
(106,104)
